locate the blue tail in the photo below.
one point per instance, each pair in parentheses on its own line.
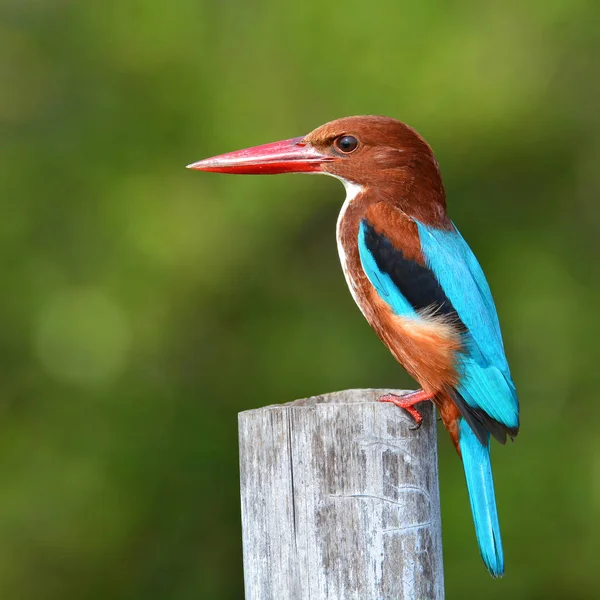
(480,484)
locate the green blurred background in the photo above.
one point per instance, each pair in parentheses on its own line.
(144,305)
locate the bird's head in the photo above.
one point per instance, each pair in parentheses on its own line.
(372,152)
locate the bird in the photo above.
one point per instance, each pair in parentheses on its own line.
(417,283)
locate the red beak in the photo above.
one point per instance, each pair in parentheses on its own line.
(288,156)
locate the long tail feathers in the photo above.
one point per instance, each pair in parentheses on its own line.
(480,484)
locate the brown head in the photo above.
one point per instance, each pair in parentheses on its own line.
(381,155)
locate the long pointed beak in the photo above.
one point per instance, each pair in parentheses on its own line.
(288,156)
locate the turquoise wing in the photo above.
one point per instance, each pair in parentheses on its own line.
(486,382)
(451,283)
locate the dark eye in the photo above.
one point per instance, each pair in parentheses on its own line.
(346,144)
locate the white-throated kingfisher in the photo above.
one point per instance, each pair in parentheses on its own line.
(417,283)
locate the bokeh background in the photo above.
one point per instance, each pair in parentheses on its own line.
(144,305)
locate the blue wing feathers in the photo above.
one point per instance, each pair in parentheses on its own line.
(486,382)
(406,280)
(453,280)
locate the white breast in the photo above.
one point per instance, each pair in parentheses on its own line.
(352,191)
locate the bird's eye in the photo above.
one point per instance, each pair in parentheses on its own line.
(346,144)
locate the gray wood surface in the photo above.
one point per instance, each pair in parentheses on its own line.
(340,501)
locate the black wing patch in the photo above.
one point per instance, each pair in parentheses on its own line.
(480,422)
(416,282)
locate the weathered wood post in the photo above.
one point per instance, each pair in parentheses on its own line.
(340,501)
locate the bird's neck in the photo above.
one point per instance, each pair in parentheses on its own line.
(415,188)
(418,198)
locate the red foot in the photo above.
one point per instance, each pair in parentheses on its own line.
(407,402)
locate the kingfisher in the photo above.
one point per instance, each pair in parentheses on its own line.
(416,281)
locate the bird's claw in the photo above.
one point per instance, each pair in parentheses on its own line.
(417,425)
(407,402)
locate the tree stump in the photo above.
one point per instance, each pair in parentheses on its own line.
(340,500)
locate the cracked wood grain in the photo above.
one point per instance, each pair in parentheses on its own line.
(340,501)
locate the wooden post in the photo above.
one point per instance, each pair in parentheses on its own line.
(340,501)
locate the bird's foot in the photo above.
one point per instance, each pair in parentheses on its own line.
(407,402)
